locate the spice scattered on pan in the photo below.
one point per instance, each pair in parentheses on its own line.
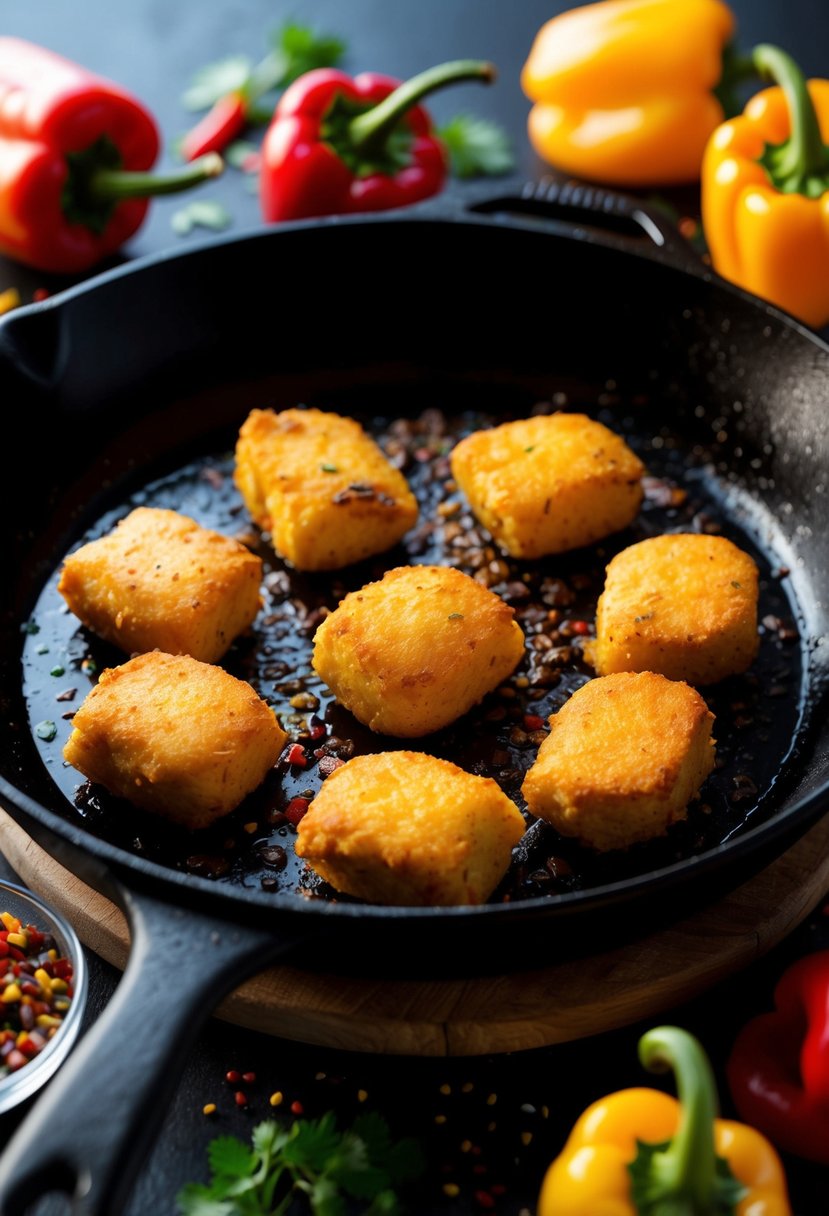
(758,713)
(35,992)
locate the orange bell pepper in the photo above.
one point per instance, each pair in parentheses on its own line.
(625,89)
(765,192)
(639,1152)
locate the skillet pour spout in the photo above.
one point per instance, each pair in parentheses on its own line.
(722,395)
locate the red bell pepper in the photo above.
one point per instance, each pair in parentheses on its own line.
(338,144)
(73,153)
(778,1070)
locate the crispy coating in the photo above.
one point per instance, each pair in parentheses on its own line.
(684,605)
(405,828)
(416,650)
(160,581)
(321,487)
(550,483)
(624,757)
(176,737)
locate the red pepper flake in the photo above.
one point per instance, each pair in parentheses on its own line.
(579,627)
(316,731)
(296,756)
(533,722)
(484,1200)
(295,810)
(240,1098)
(39,294)
(233,1077)
(248,1077)
(297,1108)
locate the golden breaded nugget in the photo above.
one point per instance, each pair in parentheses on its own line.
(322,487)
(684,605)
(550,483)
(159,581)
(177,737)
(405,828)
(414,651)
(624,757)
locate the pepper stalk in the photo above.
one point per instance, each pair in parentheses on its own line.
(800,164)
(683,1177)
(370,131)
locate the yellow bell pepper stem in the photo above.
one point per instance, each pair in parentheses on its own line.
(682,1179)
(800,164)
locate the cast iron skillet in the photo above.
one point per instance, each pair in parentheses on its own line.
(560,290)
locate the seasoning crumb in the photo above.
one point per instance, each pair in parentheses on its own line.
(526,1138)
(209,1108)
(467,1087)
(446,1089)
(466,1146)
(250,828)
(276,1099)
(492,1099)
(439,1119)
(362,1094)
(451,1189)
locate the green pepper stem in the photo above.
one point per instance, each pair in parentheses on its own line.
(801,164)
(369,131)
(687,1168)
(105,185)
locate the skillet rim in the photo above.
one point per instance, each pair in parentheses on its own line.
(126,866)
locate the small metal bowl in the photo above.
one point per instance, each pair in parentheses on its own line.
(19,1085)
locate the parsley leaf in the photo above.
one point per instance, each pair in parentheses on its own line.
(295,49)
(476,147)
(304,50)
(311,1158)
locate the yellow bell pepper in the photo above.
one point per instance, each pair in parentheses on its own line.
(625,88)
(765,192)
(639,1152)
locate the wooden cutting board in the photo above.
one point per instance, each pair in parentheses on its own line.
(554,1004)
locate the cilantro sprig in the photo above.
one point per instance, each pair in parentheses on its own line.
(295,49)
(311,1158)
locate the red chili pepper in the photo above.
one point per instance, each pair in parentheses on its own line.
(226,119)
(73,153)
(778,1070)
(341,144)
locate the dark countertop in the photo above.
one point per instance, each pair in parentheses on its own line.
(152,47)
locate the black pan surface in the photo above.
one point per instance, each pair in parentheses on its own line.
(135,385)
(450,323)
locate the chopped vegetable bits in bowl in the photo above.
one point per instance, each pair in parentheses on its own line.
(43,984)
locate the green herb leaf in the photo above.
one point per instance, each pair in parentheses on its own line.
(304,49)
(215,80)
(202,213)
(227,1155)
(311,1158)
(197,1200)
(477,147)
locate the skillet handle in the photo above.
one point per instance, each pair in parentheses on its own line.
(622,220)
(89,1133)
